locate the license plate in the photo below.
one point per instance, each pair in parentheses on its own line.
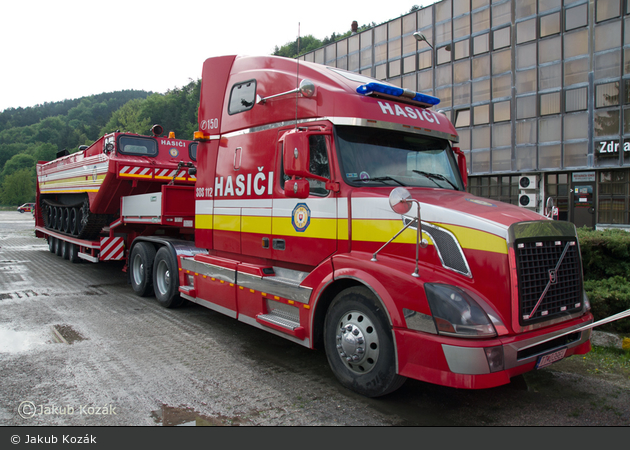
(549,359)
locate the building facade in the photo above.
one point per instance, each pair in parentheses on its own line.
(539,91)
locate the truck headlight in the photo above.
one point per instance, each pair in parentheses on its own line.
(456,313)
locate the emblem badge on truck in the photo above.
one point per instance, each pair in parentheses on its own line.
(301,217)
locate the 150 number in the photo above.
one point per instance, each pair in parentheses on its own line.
(210,124)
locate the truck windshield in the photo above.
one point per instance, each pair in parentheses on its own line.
(371,156)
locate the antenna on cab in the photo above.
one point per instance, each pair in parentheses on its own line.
(297,77)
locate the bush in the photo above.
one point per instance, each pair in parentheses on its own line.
(608,297)
(605,253)
(606,264)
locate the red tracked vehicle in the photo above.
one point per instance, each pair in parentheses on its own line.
(79,195)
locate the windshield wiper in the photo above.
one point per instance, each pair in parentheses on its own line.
(385,179)
(435,176)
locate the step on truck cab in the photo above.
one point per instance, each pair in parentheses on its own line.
(332,211)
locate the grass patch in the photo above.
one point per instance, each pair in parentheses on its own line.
(608,360)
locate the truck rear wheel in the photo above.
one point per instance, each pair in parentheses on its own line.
(165,279)
(51,244)
(359,344)
(141,268)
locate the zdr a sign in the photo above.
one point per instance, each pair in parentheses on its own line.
(610,148)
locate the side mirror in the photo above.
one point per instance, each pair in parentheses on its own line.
(297,188)
(461,164)
(400,200)
(550,209)
(296,154)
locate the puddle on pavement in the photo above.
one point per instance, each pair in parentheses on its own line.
(18,341)
(65,334)
(170,416)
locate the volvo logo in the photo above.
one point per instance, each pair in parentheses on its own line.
(553,276)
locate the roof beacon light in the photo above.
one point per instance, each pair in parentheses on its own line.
(393,91)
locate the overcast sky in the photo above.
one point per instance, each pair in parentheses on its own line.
(66,49)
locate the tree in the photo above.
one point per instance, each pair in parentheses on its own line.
(18,188)
(128,118)
(17,163)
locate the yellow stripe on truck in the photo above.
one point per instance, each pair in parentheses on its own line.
(477,240)
(203,221)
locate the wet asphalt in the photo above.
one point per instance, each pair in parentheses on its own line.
(78,348)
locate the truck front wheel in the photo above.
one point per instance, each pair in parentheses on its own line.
(141,268)
(165,279)
(359,344)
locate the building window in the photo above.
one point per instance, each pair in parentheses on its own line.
(526,107)
(481,44)
(550,24)
(462,49)
(606,9)
(613,197)
(502,111)
(462,118)
(607,94)
(481,114)
(501,38)
(526,31)
(576,99)
(550,103)
(444,55)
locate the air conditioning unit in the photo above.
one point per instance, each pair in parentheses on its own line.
(528,200)
(528,182)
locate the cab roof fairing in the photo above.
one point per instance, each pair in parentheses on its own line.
(336,96)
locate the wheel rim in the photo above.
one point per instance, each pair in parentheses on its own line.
(357,342)
(138,270)
(163,277)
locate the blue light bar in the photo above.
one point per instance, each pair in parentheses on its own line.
(394,91)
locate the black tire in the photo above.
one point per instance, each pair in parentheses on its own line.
(65,249)
(73,254)
(51,244)
(356,323)
(141,268)
(166,280)
(58,246)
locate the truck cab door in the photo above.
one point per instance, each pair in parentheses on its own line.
(304,230)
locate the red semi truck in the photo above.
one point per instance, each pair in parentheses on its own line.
(331,209)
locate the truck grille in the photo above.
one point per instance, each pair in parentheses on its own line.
(549,279)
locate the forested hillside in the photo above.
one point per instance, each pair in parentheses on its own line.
(28,135)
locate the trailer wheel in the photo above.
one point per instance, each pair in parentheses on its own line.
(359,344)
(58,246)
(51,244)
(165,279)
(73,253)
(141,268)
(65,249)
